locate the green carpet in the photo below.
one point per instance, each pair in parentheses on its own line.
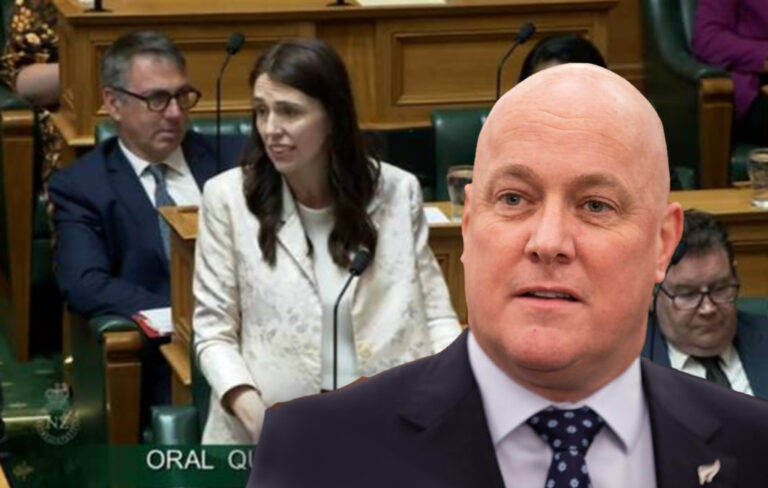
(28,459)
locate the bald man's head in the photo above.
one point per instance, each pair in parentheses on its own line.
(583,97)
(566,229)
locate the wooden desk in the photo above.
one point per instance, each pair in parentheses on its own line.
(747,226)
(403,61)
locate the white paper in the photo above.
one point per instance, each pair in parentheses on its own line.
(159,319)
(435,216)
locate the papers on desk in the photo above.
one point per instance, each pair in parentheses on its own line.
(155,322)
(435,216)
(398,3)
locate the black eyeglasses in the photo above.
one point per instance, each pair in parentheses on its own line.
(158,100)
(691,300)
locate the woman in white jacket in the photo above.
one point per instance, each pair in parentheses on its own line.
(276,239)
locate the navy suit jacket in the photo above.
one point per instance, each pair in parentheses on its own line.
(751,342)
(109,256)
(423,425)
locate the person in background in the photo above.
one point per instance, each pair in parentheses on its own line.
(565,48)
(567,226)
(695,326)
(275,243)
(112,249)
(30,67)
(733,34)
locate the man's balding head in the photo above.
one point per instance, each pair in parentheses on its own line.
(567,228)
(583,97)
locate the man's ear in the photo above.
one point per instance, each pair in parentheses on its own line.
(112,103)
(669,236)
(466,216)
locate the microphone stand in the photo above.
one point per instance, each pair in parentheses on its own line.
(218,110)
(359,264)
(98,7)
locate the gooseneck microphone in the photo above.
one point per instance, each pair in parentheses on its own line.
(527,29)
(359,263)
(234,43)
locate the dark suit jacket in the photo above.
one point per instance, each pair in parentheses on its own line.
(423,425)
(751,343)
(109,256)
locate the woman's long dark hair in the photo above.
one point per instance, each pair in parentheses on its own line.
(312,67)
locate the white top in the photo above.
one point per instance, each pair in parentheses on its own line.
(318,224)
(261,325)
(179,180)
(620,455)
(729,361)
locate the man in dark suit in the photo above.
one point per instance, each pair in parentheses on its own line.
(566,227)
(695,326)
(112,254)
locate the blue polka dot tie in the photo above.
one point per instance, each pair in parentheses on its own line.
(569,433)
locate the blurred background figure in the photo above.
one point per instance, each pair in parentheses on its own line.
(554,50)
(695,326)
(733,34)
(30,67)
(275,243)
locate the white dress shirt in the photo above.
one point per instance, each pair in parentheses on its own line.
(620,455)
(330,278)
(729,362)
(179,180)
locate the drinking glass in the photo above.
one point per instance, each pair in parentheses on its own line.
(458,177)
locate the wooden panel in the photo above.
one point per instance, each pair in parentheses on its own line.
(450,61)
(177,356)
(122,360)
(19,207)
(402,60)
(625,41)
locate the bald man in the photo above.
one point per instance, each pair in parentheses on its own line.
(567,227)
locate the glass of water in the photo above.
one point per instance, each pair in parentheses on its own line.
(458,177)
(758,176)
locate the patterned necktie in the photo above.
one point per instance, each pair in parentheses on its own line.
(162,199)
(715,373)
(569,433)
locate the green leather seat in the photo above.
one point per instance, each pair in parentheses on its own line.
(456,132)
(694,100)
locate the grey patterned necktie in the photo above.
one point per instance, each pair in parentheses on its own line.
(162,199)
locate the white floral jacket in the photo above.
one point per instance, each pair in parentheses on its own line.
(261,326)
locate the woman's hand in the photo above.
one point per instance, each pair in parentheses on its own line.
(244,401)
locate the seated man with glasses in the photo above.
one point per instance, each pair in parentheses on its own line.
(112,251)
(694,325)
(112,245)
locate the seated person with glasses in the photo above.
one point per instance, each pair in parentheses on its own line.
(112,246)
(694,325)
(112,251)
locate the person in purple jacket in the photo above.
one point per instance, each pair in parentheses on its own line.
(733,34)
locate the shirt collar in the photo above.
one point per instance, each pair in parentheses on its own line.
(678,359)
(174,161)
(507,404)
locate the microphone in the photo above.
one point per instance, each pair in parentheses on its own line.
(527,29)
(359,263)
(98,7)
(234,43)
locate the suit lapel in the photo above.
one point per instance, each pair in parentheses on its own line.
(447,409)
(292,236)
(752,345)
(682,432)
(202,164)
(132,195)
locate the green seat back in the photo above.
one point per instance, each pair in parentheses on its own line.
(456,132)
